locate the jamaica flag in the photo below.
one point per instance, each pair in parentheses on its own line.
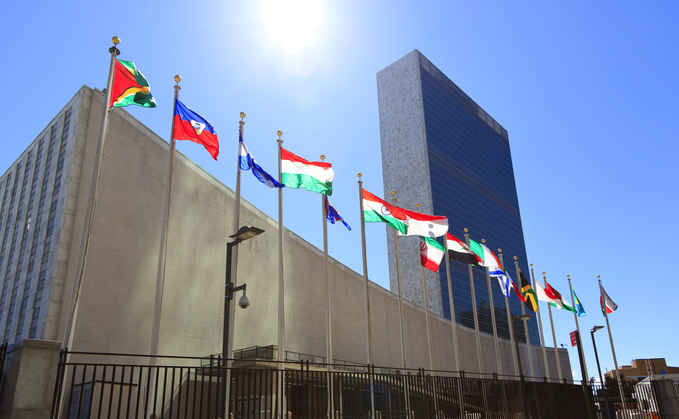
(130,87)
(527,291)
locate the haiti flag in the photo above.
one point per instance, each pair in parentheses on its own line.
(188,125)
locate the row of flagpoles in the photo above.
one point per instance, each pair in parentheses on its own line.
(126,86)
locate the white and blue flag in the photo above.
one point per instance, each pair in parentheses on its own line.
(504,280)
(248,162)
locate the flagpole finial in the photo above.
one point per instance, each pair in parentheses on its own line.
(517,258)
(242,115)
(113,49)
(417,204)
(543,272)
(279,133)
(177,78)
(360,175)
(322,157)
(466,230)
(531,265)
(116,40)
(499,250)
(483,240)
(568,276)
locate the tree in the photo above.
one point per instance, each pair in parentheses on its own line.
(612,387)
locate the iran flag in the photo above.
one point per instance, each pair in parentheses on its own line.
(431,253)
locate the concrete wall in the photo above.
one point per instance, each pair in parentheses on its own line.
(118,288)
(28,379)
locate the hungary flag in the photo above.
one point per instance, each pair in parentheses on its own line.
(314,176)
(376,210)
(425,225)
(130,87)
(431,253)
(459,251)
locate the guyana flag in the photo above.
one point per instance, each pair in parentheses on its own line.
(528,293)
(130,87)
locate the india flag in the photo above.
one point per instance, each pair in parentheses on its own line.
(431,253)
(376,210)
(313,176)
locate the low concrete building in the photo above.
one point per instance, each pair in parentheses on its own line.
(44,196)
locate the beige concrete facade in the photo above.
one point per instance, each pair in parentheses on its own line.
(116,303)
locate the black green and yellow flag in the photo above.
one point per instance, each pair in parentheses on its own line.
(528,293)
(130,87)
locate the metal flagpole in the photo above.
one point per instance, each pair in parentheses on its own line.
(476,315)
(577,327)
(162,251)
(512,338)
(615,359)
(542,334)
(525,322)
(452,313)
(234,274)
(92,194)
(426,311)
(281,290)
(551,321)
(400,309)
(368,326)
(492,317)
(328,314)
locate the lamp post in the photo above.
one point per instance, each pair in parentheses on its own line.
(516,340)
(598,366)
(241,235)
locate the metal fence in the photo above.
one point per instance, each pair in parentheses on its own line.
(93,385)
(641,401)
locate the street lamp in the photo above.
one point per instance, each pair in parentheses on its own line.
(241,235)
(516,338)
(596,355)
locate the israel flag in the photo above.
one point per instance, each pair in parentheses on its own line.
(248,162)
(503,279)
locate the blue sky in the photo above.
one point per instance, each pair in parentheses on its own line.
(588,92)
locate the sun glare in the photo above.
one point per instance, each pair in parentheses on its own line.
(294,24)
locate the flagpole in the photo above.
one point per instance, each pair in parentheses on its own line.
(577,327)
(476,315)
(162,251)
(525,322)
(426,311)
(92,194)
(492,317)
(542,333)
(281,290)
(400,310)
(615,359)
(452,313)
(513,339)
(551,321)
(328,313)
(400,294)
(234,249)
(368,326)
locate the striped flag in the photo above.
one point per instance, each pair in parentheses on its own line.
(607,305)
(431,253)
(314,176)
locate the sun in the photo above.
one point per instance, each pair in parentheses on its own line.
(294,24)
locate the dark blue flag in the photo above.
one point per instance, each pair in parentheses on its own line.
(333,215)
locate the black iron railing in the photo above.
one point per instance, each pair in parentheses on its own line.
(91,385)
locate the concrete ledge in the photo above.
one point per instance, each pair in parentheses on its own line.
(28,379)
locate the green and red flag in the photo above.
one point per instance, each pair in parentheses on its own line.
(376,210)
(130,87)
(314,176)
(607,305)
(431,253)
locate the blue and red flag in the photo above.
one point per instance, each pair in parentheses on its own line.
(188,125)
(333,215)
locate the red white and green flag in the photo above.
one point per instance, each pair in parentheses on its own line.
(431,253)
(425,225)
(485,255)
(376,210)
(314,176)
(130,87)
(607,305)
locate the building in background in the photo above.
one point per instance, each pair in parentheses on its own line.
(441,150)
(43,195)
(640,369)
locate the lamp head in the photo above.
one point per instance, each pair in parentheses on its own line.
(595,328)
(246,232)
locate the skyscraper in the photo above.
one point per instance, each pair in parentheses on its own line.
(441,150)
